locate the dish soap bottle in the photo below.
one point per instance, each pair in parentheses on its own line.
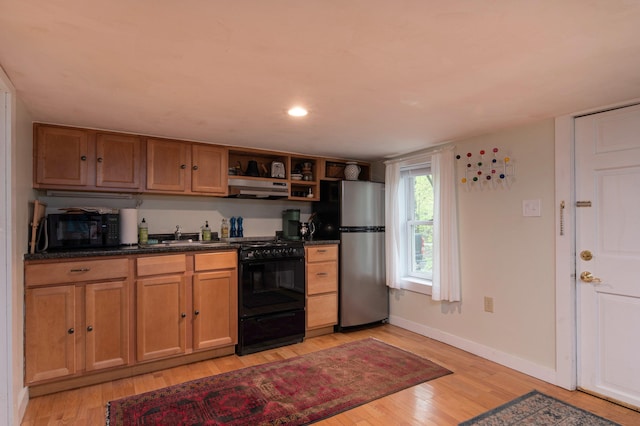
(224,229)
(206,231)
(143,232)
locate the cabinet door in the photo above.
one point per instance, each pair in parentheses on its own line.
(61,156)
(322,310)
(161,317)
(50,333)
(215,304)
(167,163)
(107,325)
(209,171)
(117,161)
(322,277)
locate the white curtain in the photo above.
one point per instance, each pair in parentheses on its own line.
(446,269)
(393,241)
(446,264)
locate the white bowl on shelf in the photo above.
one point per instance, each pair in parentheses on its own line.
(295,176)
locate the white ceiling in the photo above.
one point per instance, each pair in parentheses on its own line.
(380,77)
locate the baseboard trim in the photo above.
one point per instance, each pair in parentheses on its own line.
(22,400)
(502,358)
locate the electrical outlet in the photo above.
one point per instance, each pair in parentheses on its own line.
(488,304)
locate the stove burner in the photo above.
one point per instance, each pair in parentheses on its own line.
(252,250)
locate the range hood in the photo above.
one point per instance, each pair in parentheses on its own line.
(249,188)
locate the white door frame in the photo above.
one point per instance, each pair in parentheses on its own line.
(6,276)
(566,320)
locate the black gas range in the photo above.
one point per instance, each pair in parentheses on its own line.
(271,294)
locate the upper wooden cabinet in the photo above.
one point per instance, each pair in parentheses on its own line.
(118,160)
(69,158)
(61,156)
(167,163)
(72,158)
(184,167)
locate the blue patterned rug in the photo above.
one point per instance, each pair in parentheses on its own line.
(536,408)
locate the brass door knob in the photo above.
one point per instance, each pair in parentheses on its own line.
(588,277)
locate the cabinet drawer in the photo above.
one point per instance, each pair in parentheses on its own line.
(158,265)
(322,253)
(322,310)
(76,271)
(222,260)
(322,277)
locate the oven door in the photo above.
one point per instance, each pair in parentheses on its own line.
(271,285)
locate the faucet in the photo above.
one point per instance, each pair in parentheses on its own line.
(178,232)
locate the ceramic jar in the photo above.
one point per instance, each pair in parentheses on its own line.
(351,171)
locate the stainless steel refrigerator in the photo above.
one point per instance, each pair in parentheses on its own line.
(353,212)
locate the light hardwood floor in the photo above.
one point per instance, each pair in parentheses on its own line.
(476,386)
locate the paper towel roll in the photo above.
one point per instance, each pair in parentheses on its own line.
(128,226)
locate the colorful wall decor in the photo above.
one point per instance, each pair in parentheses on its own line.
(485,169)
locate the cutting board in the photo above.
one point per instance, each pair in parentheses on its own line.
(38,214)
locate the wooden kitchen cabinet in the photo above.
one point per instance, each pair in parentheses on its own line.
(50,337)
(322,288)
(161,315)
(84,159)
(215,300)
(61,157)
(175,309)
(209,169)
(118,161)
(107,325)
(77,317)
(186,168)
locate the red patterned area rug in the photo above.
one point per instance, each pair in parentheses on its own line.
(294,391)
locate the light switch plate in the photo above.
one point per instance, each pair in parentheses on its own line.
(531,208)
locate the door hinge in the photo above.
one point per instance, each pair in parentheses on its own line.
(583,203)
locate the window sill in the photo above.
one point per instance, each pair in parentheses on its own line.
(417,285)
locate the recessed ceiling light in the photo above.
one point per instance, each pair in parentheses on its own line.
(297,111)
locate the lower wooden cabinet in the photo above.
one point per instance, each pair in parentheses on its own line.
(189,306)
(161,317)
(322,287)
(215,300)
(76,328)
(106,325)
(50,333)
(85,316)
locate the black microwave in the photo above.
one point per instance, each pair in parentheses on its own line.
(82,230)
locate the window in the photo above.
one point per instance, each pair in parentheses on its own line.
(417,232)
(421,239)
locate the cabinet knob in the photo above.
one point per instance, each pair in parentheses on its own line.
(99,159)
(83,158)
(90,328)
(197,312)
(195,167)
(183,315)
(183,166)
(71,330)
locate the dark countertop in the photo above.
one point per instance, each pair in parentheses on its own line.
(150,249)
(125,251)
(321,242)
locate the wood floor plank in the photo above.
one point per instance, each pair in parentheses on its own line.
(477,385)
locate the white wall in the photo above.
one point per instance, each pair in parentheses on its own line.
(163,212)
(503,255)
(18,180)
(22,195)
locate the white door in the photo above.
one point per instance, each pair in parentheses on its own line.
(607,149)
